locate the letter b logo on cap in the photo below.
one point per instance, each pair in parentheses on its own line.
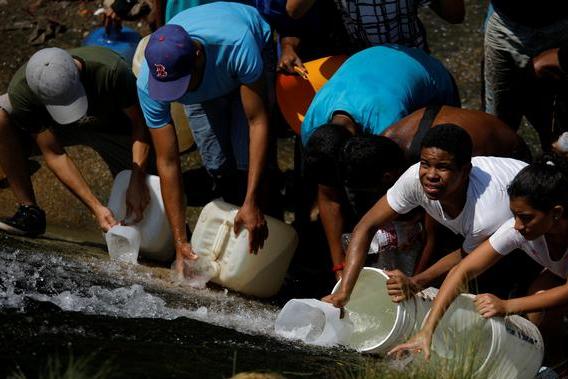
(160,71)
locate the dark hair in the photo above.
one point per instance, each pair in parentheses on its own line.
(544,183)
(364,159)
(452,139)
(322,153)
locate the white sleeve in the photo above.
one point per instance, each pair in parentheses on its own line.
(404,194)
(506,238)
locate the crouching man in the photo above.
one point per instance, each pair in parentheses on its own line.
(83,96)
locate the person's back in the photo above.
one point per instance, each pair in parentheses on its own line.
(490,135)
(380,85)
(233,36)
(108,81)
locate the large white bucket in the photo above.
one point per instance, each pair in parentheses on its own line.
(501,347)
(379,324)
(156,237)
(313,322)
(259,274)
(181,123)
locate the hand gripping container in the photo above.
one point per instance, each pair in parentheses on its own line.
(259,275)
(378,323)
(499,347)
(156,241)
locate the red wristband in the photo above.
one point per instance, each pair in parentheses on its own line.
(338,267)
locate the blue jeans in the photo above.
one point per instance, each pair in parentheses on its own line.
(221,132)
(220,127)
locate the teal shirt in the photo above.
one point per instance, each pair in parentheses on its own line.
(173,7)
(233,37)
(379,86)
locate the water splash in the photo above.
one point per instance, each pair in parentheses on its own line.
(96,285)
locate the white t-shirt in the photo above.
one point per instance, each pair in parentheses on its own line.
(486,207)
(507,239)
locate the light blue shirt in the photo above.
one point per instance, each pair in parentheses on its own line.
(233,36)
(380,85)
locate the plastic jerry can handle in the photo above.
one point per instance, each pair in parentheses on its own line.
(223,233)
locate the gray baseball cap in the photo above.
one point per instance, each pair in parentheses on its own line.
(53,76)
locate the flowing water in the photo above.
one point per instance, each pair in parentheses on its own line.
(61,300)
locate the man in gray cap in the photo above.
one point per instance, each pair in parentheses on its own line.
(59,98)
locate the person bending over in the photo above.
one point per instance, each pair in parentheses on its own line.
(363,98)
(83,96)
(467,195)
(539,227)
(216,59)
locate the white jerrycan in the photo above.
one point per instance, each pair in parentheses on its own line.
(259,274)
(156,240)
(378,323)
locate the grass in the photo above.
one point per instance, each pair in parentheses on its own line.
(69,368)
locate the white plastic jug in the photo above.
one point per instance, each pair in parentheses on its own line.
(123,243)
(156,241)
(259,274)
(313,322)
(504,347)
(379,324)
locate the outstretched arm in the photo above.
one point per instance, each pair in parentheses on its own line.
(489,305)
(250,216)
(470,267)
(430,226)
(169,169)
(290,62)
(63,167)
(137,194)
(438,269)
(380,214)
(332,220)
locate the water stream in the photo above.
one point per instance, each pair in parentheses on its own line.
(61,299)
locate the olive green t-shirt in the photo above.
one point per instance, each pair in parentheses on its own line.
(109,83)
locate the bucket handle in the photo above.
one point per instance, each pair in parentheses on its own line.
(222,234)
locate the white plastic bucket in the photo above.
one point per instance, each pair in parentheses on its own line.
(313,322)
(502,347)
(156,240)
(379,324)
(123,243)
(259,274)
(181,123)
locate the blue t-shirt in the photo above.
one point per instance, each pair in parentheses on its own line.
(233,36)
(380,85)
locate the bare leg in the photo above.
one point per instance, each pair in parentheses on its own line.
(14,162)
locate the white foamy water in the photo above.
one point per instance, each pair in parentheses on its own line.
(96,285)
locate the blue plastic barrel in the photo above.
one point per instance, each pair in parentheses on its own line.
(122,41)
